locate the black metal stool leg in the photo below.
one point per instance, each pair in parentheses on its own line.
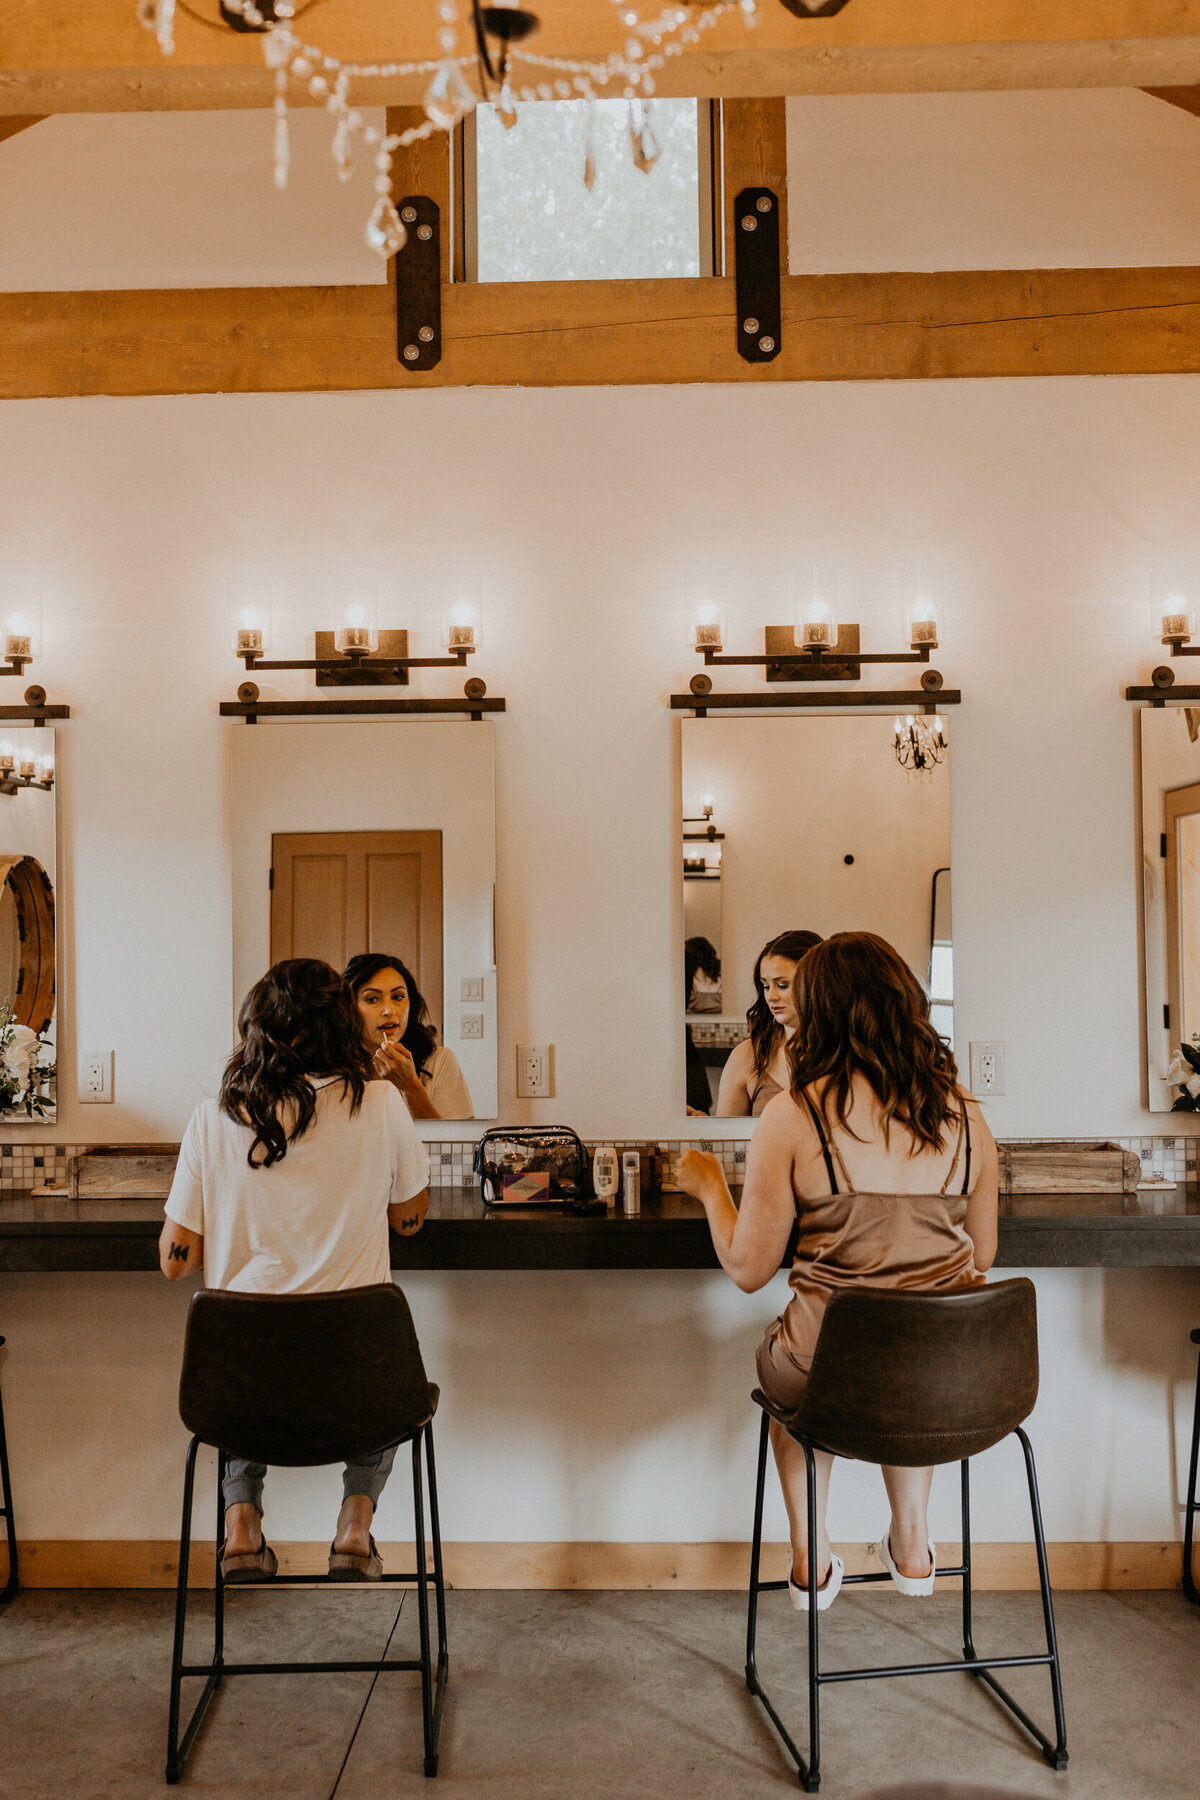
(1057,1758)
(1191,1505)
(439,1574)
(807,1770)
(177,1750)
(428,1720)
(968,1627)
(755,1559)
(13,1580)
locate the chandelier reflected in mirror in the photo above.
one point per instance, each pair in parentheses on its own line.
(920,743)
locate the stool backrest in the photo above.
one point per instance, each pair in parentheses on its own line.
(302,1379)
(911,1378)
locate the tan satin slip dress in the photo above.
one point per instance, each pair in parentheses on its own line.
(851,1239)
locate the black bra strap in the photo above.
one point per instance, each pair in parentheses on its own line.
(967,1128)
(816,1119)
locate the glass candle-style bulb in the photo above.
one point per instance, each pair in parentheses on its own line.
(356,635)
(922,626)
(18,638)
(29,769)
(460,628)
(708,632)
(817,627)
(8,761)
(1176,627)
(250,638)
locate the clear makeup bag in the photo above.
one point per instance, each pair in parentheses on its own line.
(533,1165)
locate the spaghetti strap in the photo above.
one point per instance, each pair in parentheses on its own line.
(820,1131)
(962,1133)
(827,1145)
(967,1171)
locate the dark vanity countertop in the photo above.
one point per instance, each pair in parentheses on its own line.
(670,1233)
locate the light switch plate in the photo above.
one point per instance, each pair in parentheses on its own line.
(470,987)
(470,1025)
(96,1077)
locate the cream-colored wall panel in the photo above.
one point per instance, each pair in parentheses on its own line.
(1090,178)
(161,200)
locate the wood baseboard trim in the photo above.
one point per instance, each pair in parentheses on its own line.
(152,1562)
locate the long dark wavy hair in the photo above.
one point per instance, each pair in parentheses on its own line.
(766,1034)
(419,1036)
(699,953)
(862,1011)
(299,1020)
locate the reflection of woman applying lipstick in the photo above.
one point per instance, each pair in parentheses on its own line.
(757,1068)
(401,1035)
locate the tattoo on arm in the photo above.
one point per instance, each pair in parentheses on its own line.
(177,1253)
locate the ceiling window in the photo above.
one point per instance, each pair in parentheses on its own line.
(530,215)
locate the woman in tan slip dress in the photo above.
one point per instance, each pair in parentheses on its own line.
(756,1069)
(886,1168)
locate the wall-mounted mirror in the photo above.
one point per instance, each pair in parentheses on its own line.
(28,979)
(1170,758)
(800,824)
(352,838)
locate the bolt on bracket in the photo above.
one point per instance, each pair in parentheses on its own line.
(756,270)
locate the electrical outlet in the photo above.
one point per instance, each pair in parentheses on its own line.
(535,1071)
(96,1077)
(470,1025)
(470,987)
(987,1070)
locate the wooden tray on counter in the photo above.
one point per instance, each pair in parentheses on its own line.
(120,1172)
(1089,1178)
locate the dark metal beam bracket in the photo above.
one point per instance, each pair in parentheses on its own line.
(419,285)
(756,272)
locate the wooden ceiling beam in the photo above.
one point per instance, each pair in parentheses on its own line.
(92,55)
(552,334)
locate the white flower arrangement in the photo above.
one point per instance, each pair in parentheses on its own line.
(1183,1072)
(24,1076)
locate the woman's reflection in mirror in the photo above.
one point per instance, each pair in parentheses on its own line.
(403,1039)
(757,1067)
(702,993)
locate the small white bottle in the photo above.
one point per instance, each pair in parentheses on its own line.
(631,1166)
(606,1173)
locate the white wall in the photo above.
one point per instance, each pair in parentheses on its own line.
(591,518)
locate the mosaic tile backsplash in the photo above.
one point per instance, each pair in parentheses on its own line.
(24,1166)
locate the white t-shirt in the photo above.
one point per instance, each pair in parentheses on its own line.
(444,1082)
(314,1222)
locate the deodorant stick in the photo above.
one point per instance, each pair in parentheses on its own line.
(631,1192)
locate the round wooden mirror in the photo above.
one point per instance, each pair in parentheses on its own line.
(27,940)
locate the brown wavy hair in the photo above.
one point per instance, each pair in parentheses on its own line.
(299,1020)
(862,1011)
(766,1034)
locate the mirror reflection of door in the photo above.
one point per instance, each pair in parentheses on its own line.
(1181,831)
(336,894)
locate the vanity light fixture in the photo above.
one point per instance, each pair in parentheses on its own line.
(709,834)
(828,652)
(354,655)
(1176,633)
(20,633)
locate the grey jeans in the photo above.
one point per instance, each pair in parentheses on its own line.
(244,1480)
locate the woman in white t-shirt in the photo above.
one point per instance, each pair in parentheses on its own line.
(401,1034)
(287,1184)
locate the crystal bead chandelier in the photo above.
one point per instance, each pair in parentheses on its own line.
(498,35)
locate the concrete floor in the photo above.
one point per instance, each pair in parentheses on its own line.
(598,1696)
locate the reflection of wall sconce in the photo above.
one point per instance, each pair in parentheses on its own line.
(1176,632)
(30,772)
(710,834)
(920,743)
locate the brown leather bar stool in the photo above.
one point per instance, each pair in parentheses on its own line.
(913,1379)
(14,1580)
(1192,1505)
(298,1380)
